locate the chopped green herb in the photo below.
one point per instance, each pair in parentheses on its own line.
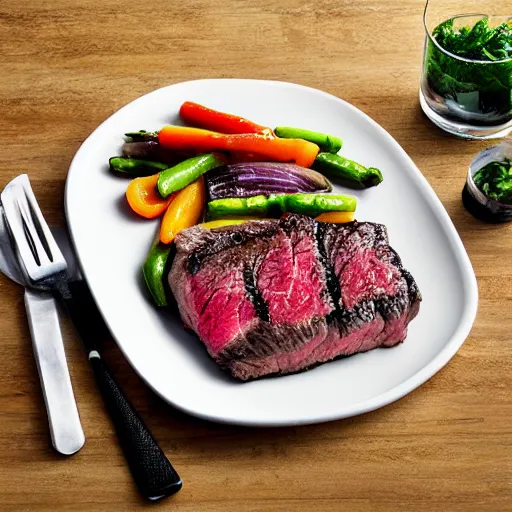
(495,180)
(481,88)
(478,43)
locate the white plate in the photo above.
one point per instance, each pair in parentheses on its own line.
(111,244)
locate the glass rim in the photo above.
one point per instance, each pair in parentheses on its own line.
(453,55)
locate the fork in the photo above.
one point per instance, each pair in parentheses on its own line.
(65,428)
(45,268)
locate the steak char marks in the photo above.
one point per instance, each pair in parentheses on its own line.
(275,297)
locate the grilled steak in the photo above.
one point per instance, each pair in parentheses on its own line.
(275,297)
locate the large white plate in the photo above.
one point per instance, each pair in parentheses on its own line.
(111,244)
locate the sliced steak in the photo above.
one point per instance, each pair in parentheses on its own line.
(281,296)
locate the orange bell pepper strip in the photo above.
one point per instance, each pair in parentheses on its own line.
(298,151)
(184,211)
(336,217)
(204,117)
(144,199)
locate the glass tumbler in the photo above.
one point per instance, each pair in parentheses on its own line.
(467,98)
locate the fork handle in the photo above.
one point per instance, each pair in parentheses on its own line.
(151,470)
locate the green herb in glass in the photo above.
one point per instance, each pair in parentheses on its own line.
(495,180)
(475,70)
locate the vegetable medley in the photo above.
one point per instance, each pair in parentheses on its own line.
(224,170)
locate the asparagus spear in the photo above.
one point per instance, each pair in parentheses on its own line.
(142,135)
(325,142)
(134,167)
(183,174)
(352,173)
(276,204)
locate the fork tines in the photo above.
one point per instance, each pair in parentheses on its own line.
(36,248)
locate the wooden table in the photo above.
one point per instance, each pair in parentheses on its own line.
(68,65)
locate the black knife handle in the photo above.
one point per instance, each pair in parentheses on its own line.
(85,315)
(151,470)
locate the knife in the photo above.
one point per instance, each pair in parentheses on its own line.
(152,471)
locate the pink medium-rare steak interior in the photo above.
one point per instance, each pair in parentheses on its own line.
(366,276)
(275,297)
(214,303)
(291,279)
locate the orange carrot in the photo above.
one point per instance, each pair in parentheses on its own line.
(144,199)
(236,157)
(336,217)
(298,151)
(204,117)
(184,212)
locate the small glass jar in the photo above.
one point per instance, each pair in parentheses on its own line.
(475,201)
(468,98)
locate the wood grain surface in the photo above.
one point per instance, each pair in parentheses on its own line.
(68,65)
